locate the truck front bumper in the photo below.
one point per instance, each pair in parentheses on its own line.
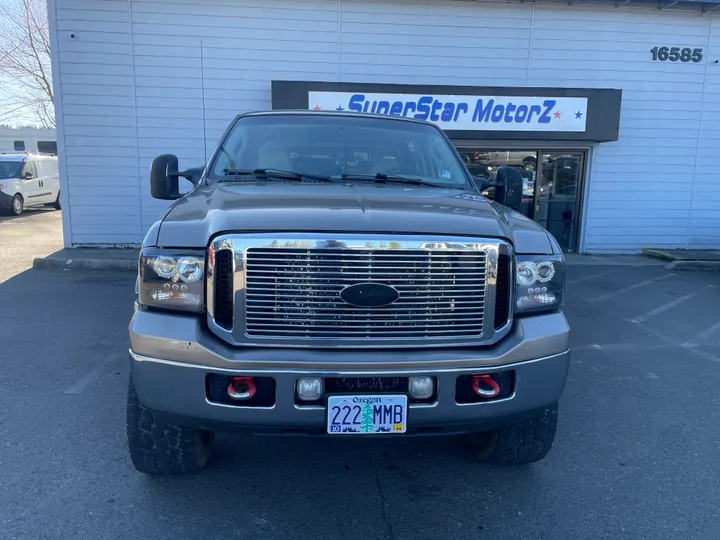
(171,356)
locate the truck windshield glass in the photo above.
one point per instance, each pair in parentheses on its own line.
(339,147)
(10,169)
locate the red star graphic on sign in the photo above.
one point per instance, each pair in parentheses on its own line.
(317,108)
(557,114)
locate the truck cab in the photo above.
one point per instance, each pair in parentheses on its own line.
(341,274)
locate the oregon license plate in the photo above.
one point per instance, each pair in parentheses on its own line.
(362,415)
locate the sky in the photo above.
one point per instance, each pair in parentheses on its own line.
(10,110)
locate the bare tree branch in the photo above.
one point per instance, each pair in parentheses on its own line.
(25,72)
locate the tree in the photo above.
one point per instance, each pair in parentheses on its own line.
(366,420)
(26,90)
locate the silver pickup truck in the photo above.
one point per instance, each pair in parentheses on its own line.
(341,274)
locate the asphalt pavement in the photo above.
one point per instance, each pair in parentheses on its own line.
(636,455)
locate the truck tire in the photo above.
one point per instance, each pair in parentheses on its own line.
(56,205)
(517,444)
(17,205)
(161,449)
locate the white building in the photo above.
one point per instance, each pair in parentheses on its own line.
(137,78)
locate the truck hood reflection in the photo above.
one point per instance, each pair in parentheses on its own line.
(342,208)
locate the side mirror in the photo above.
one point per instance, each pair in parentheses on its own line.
(509,190)
(28,175)
(193,175)
(164,177)
(482,183)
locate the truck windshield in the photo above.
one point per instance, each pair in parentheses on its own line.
(342,148)
(10,169)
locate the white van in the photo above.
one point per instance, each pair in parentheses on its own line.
(28,180)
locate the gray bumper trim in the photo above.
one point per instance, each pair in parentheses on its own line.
(178,390)
(185,339)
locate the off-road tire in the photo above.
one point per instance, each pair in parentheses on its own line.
(517,444)
(161,449)
(17,205)
(56,205)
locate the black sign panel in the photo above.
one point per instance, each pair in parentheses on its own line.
(466,112)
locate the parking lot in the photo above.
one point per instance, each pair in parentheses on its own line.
(636,454)
(35,233)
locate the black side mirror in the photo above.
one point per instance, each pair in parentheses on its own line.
(482,183)
(164,177)
(509,187)
(28,175)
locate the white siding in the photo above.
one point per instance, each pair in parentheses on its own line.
(131,86)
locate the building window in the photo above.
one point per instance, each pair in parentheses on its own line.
(19,146)
(47,147)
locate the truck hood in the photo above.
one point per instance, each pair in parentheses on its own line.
(341,208)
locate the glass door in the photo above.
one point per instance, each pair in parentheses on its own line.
(552,185)
(485,163)
(557,197)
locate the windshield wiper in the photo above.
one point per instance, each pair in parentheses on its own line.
(274,173)
(382,178)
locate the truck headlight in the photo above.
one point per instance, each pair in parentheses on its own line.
(171,279)
(539,282)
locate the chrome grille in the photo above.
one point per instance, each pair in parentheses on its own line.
(295,292)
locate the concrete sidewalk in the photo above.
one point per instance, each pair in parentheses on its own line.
(90,259)
(686,259)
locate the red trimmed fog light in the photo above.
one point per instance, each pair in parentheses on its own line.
(241,388)
(485,386)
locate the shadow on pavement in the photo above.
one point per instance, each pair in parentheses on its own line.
(29,214)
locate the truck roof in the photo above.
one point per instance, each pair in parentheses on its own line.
(302,112)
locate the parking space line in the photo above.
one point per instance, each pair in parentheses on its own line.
(703,336)
(94,374)
(613,271)
(675,343)
(631,287)
(662,309)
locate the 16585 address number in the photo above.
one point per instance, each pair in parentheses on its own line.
(675,54)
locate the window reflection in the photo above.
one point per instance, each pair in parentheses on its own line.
(558,196)
(554,203)
(485,163)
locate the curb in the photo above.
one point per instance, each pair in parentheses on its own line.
(693,265)
(657,254)
(85,264)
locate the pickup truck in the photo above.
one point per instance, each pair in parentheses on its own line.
(341,274)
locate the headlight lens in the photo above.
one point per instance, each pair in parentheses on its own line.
(171,279)
(3,185)
(540,283)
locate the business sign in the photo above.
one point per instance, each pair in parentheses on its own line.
(465,113)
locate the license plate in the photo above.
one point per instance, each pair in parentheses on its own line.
(362,415)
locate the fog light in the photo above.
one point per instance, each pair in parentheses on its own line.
(309,389)
(421,387)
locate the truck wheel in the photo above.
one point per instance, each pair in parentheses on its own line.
(517,444)
(56,204)
(17,205)
(160,449)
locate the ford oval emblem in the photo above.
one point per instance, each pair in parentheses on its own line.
(369,295)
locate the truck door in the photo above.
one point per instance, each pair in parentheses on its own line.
(31,188)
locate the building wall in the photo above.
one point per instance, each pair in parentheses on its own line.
(131,76)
